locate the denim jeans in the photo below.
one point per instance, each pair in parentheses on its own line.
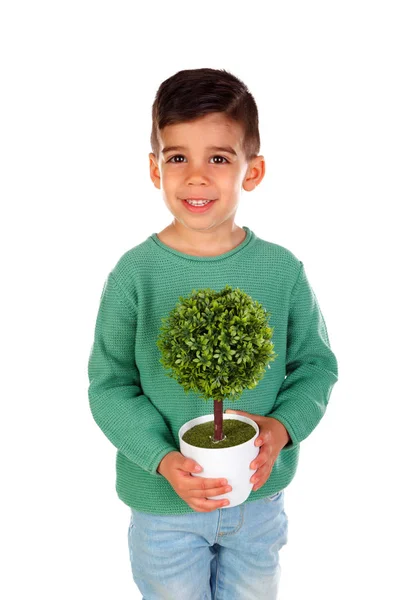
(226,554)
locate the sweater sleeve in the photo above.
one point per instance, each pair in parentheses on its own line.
(311,366)
(120,408)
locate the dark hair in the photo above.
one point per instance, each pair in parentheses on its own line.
(192,93)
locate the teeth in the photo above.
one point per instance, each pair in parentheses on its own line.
(198,202)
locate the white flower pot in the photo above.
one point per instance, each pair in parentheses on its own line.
(231,463)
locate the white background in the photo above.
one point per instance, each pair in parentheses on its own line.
(333,85)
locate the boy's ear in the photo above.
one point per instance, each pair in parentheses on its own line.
(154,170)
(254,174)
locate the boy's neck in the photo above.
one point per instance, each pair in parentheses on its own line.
(201,243)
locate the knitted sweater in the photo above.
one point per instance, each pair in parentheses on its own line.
(140,409)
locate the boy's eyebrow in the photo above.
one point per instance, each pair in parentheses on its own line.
(219,148)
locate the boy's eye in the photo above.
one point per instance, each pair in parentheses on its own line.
(182,156)
(223,157)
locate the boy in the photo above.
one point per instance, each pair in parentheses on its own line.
(183,544)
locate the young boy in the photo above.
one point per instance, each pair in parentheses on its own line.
(183,544)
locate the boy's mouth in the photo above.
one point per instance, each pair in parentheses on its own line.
(197,199)
(198,204)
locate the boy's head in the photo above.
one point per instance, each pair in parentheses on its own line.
(205,143)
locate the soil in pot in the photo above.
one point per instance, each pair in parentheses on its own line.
(235,432)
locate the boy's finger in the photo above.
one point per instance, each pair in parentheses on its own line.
(255,464)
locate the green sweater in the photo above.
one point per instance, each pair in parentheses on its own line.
(140,408)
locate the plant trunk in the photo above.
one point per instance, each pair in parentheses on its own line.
(218,418)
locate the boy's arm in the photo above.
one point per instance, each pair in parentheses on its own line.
(125,415)
(311,365)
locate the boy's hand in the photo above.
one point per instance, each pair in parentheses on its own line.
(195,491)
(272,438)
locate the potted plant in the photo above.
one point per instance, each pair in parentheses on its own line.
(218,344)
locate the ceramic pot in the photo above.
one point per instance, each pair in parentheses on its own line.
(230,463)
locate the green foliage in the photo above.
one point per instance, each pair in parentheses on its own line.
(216,343)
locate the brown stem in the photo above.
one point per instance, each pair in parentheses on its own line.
(218,418)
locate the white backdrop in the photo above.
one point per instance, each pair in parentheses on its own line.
(333,85)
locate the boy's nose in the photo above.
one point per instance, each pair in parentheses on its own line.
(197,176)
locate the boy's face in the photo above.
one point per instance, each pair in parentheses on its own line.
(199,169)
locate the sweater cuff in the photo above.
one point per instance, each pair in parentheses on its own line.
(147,458)
(158,459)
(294,441)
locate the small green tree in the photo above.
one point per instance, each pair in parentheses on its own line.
(216,344)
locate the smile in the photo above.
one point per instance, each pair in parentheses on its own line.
(198,206)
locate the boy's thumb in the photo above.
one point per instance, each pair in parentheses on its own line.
(188,464)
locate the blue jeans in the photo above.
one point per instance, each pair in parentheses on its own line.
(226,554)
